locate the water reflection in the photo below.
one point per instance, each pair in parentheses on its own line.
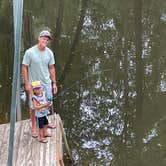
(111,70)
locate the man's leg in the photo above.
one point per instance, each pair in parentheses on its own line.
(33,122)
(32,117)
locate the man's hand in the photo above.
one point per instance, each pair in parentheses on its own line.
(55,89)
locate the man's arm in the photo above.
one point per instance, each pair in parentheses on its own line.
(53,78)
(25,77)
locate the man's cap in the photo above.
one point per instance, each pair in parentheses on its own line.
(36,84)
(45,33)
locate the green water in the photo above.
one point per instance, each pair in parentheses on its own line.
(110,63)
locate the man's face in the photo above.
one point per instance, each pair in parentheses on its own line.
(44,41)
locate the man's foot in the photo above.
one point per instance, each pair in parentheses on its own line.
(34,134)
(43,140)
(51,126)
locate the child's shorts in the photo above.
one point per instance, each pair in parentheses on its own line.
(42,121)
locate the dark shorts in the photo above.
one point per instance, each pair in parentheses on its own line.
(42,121)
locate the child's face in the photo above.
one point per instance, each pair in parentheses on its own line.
(37,91)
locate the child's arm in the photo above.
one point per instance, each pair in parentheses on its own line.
(39,107)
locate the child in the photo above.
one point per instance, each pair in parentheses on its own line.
(41,106)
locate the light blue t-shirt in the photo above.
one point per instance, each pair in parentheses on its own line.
(38,62)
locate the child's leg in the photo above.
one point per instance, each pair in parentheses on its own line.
(46,134)
(42,130)
(45,130)
(41,133)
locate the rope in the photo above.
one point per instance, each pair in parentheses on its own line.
(17,14)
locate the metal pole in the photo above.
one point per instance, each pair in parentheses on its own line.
(17,14)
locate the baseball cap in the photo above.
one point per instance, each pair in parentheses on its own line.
(45,33)
(36,84)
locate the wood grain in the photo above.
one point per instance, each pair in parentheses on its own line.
(28,151)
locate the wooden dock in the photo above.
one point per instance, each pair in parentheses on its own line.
(28,151)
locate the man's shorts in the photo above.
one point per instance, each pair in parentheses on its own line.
(42,121)
(47,89)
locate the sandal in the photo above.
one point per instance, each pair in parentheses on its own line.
(51,126)
(48,135)
(43,140)
(34,134)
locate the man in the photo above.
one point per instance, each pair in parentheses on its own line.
(39,64)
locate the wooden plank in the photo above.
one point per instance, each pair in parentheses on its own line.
(28,150)
(2,131)
(24,155)
(59,160)
(17,135)
(53,145)
(4,147)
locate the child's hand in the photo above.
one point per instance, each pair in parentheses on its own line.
(48,104)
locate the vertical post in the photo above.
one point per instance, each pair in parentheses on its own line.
(65,139)
(17,13)
(18,99)
(59,158)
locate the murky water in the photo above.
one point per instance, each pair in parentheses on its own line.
(110,62)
